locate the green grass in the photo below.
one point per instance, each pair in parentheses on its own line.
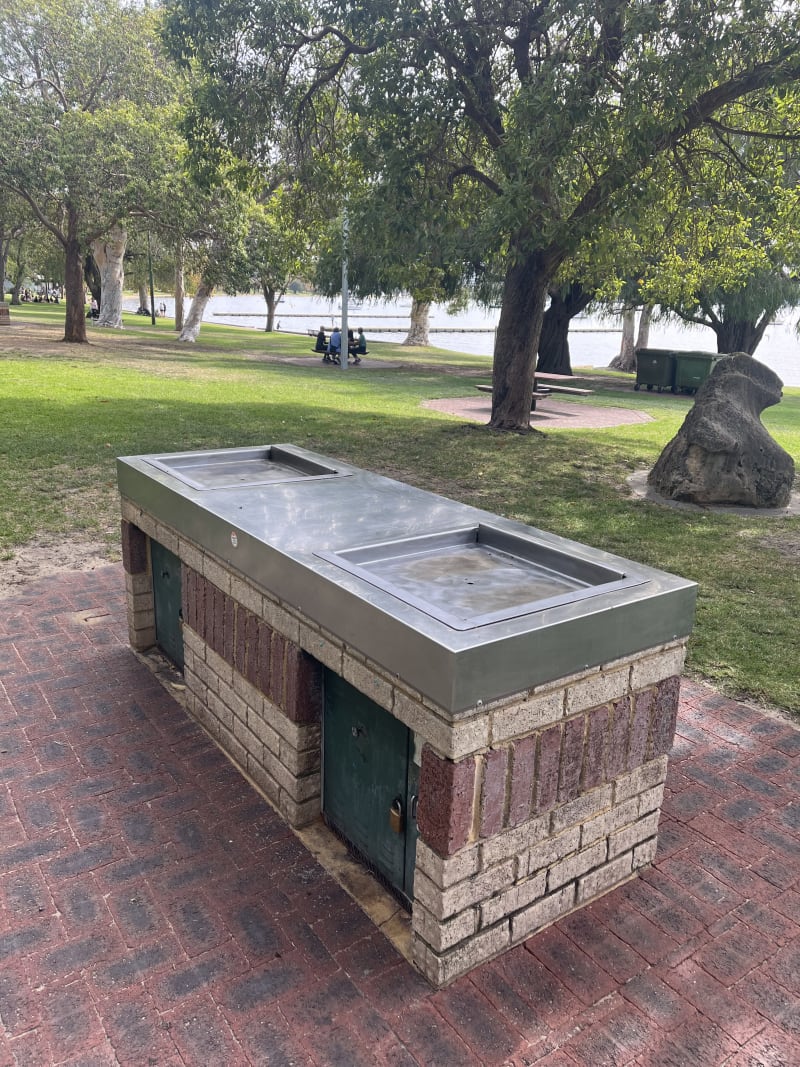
(66,412)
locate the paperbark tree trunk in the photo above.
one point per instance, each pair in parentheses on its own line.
(144,299)
(517,341)
(75,318)
(271,296)
(109,254)
(626,358)
(4,247)
(180,291)
(418,326)
(191,327)
(643,334)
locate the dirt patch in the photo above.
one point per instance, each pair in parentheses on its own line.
(44,555)
(786,543)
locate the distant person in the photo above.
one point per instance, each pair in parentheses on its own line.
(321,344)
(335,345)
(360,348)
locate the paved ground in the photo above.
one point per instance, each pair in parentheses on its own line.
(550,414)
(155,911)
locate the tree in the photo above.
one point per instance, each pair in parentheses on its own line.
(82,89)
(217,247)
(108,253)
(555,109)
(565,303)
(406,227)
(12,228)
(276,247)
(729,257)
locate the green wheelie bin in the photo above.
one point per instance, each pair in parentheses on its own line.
(692,369)
(655,367)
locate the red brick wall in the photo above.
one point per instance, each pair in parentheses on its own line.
(541,771)
(284,673)
(134,548)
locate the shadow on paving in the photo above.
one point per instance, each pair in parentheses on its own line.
(155,910)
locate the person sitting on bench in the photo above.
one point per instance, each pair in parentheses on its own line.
(334,346)
(322,341)
(357,347)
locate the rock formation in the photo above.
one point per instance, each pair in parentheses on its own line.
(723,454)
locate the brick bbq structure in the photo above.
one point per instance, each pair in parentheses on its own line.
(525,805)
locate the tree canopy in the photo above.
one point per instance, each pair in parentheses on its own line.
(552,112)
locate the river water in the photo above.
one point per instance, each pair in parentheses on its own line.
(593,340)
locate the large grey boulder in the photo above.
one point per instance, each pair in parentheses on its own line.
(723,454)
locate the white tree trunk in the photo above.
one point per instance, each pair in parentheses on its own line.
(643,336)
(109,256)
(180,291)
(191,328)
(144,299)
(626,360)
(418,328)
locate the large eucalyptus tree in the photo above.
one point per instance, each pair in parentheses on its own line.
(83,87)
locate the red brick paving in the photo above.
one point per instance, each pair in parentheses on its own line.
(154,910)
(550,414)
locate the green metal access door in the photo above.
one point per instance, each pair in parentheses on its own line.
(370,782)
(166,569)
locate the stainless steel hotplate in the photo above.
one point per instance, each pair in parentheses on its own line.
(478,575)
(233,468)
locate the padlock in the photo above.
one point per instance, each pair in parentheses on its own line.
(396,815)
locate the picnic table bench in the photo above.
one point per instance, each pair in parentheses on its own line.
(545,384)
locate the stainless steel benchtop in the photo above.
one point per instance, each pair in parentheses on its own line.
(339,545)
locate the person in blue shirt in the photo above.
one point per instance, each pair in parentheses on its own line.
(335,344)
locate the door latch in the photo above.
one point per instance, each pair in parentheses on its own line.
(396,815)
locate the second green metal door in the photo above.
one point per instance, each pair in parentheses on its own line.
(370,781)
(166,569)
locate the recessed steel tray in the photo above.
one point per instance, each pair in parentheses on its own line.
(477,575)
(232,468)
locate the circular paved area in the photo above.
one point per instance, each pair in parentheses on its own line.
(549,415)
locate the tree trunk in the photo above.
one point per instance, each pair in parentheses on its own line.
(20,271)
(75,319)
(191,327)
(418,327)
(517,341)
(554,355)
(643,335)
(108,255)
(91,278)
(144,299)
(271,298)
(4,246)
(735,335)
(626,359)
(180,291)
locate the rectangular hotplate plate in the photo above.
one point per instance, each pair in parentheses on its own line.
(477,575)
(233,468)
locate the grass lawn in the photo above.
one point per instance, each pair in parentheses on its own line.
(67,411)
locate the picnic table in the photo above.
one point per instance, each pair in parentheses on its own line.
(545,384)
